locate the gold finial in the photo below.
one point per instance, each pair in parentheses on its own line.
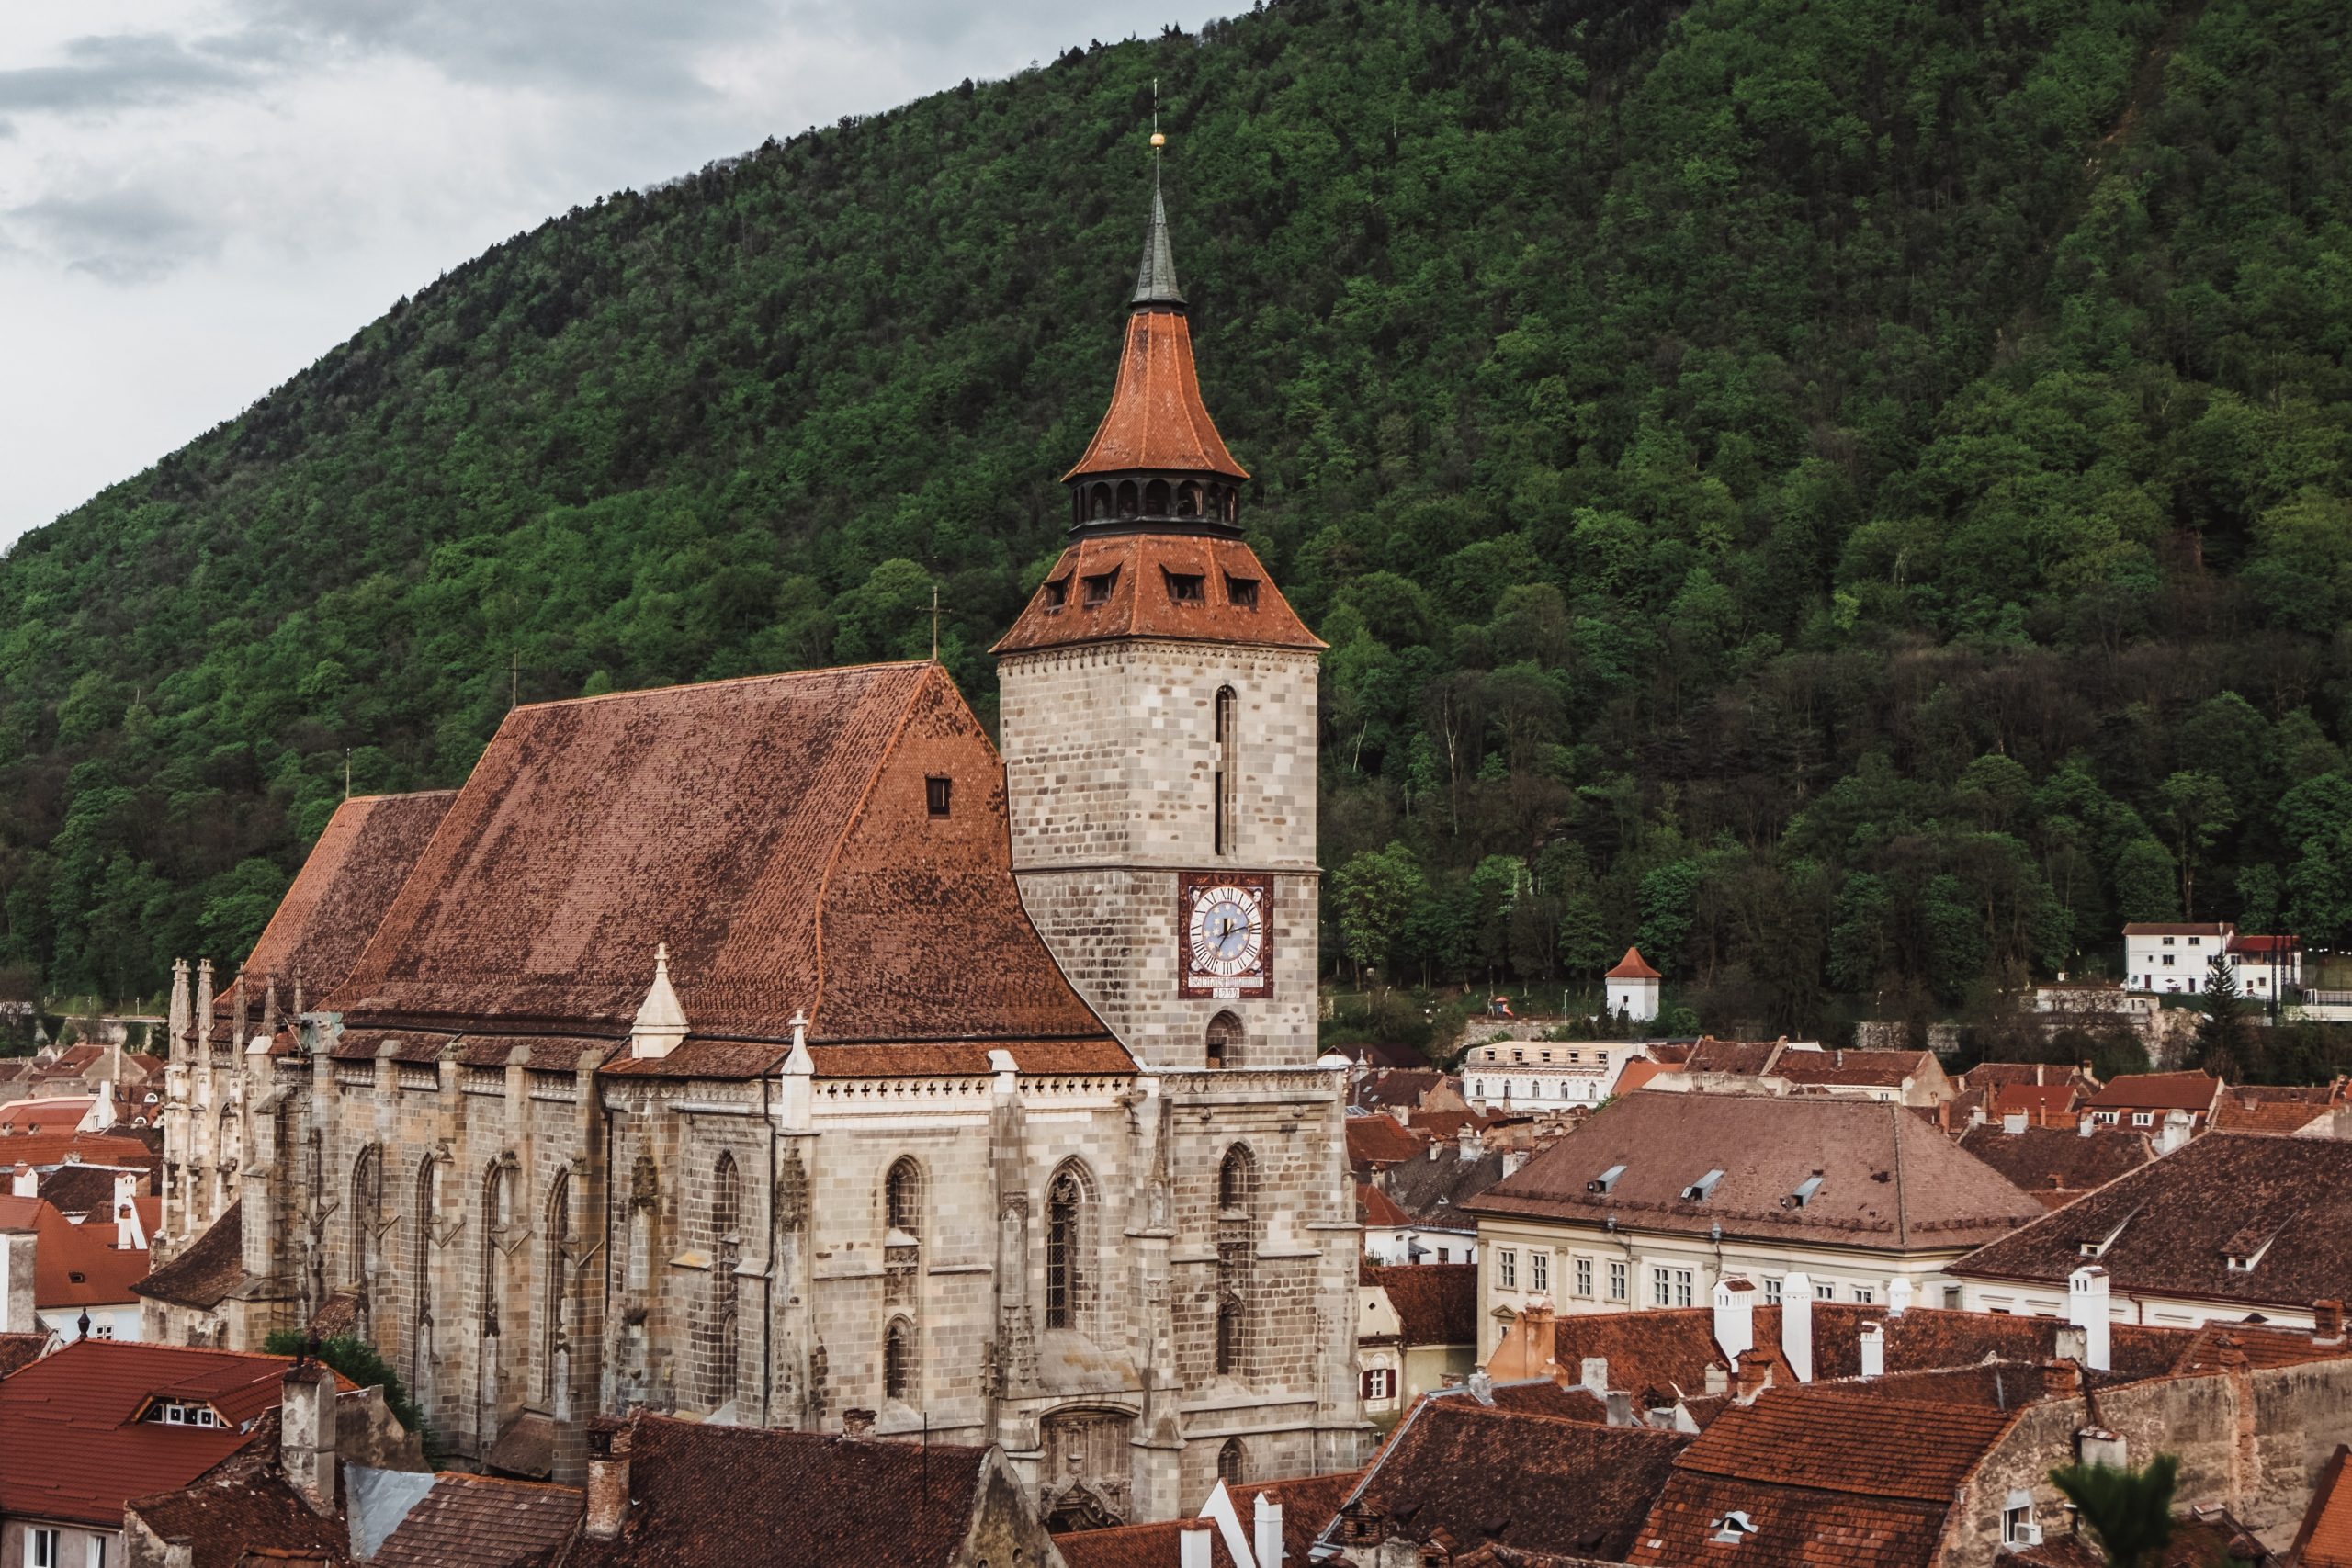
(1158,141)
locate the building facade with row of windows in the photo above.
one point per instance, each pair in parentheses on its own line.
(779,1051)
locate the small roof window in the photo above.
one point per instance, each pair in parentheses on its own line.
(1734,1528)
(1606,1182)
(1703,1189)
(1802,1196)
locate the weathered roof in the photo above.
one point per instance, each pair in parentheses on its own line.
(47,1150)
(1382,1140)
(1308,1503)
(339,896)
(2157,1091)
(1881,1177)
(2061,1160)
(1407,1086)
(773,831)
(1574,1488)
(481,1521)
(1157,421)
(21,1351)
(202,1274)
(75,1265)
(1437,1304)
(705,1496)
(2325,1538)
(1883,1069)
(243,1512)
(1436,1188)
(54,1114)
(2172,1226)
(1377,1210)
(1125,585)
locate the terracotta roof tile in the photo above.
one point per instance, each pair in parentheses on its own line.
(1886,1069)
(2157,1091)
(242,1507)
(1378,1210)
(1308,1505)
(75,1265)
(1380,1140)
(1576,1489)
(1790,1525)
(1632,966)
(46,1150)
(202,1274)
(2325,1538)
(55,1115)
(1834,1440)
(1133,573)
(17,1351)
(1437,1304)
(2063,1159)
(2169,1227)
(481,1521)
(1157,420)
(1885,1173)
(705,1496)
(774,831)
(1407,1086)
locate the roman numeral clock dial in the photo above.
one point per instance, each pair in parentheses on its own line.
(1226,944)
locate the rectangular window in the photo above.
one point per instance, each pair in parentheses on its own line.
(1241,593)
(48,1548)
(97,1551)
(2167,943)
(1773,1290)
(2144,1118)
(1661,1287)
(1185,587)
(1683,1295)
(1584,1277)
(1098,587)
(937,793)
(1058,592)
(1538,1270)
(2168,960)
(1379,1383)
(1825,1293)
(1444,1255)
(1867,1295)
(1617,1280)
(1507,1269)
(2197,942)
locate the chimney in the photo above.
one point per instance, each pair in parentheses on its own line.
(1755,1375)
(1734,1316)
(25,1183)
(1465,1143)
(2013,1121)
(1898,1296)
(2178,1126)
(2327,1321)
(1481,1386)
(1513,1161)
(2097,1445)
(607,1481)
(2084,1124)
(1594,1374)
(2071,1345)
(17,1283)
(1796,1324)
(1193,1547)
(2086,1309)
(306,1433)
(1268,1532)
(857,1423)
(1873,1350)
(1621,1407)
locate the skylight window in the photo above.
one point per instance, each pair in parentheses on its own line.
(1606,1180)
(1802,1196)
(1734,1528)
(1701,1189)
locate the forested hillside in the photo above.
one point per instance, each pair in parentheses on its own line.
(1850,494)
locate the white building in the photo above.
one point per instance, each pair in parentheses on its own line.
(1633,988)
(1544,1075)
(2176,957)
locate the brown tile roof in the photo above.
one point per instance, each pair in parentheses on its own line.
(1632,966)
(1376,1209)
(705,1496)
(481,1521)
(2276,1108)
(1139,600)
(1742,1056)
(1435,1192)
(2041,1103)
(1789,1526)
(1308,1503)
(1887,1179)
(80,1190)
(774,831)
(1437,1304)
(45,1149)
(55,1115)
(2156,1091)
(243,1507)
(202,1274)
(1379,1140)
(1885,1069)
(2171,1226)
(19,1350)
(2325,1538)
(339,897)
(1157,420)
(1396,1086)
(75,1265)
(2063,1160)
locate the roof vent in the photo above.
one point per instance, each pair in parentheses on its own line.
(1734,1528)
(1701,1189)
(1802,1196)
(1606,1182)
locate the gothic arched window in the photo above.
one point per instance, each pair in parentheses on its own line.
(899,1368)
(725,1228)
(1128,498)
(1227,768)
(1188,500)
(497,1210)
(366,1209)
(1066,1215)
(1237,1181)
(1225,1040)
(903,1197)
(428,1206)
(726,1200)
(557,1280)
(1228,1335)
(1232,1466)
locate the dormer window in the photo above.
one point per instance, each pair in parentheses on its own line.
(1186,587)
(1802,1196)
(1057,592)
(1701,1189)
(181,1413)
(1733,1528)
(1241,593)
(1606,1182)
(1098,587)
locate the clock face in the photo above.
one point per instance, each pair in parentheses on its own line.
(1225,934)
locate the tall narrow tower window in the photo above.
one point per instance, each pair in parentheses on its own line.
(1227,768)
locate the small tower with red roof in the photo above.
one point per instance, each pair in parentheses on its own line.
(1158,721)
(1633,988)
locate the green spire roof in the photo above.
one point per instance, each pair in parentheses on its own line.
(1156,278)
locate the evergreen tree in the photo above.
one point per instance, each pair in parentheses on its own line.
(2128,1511)
(2222,1032)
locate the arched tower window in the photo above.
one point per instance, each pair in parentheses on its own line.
(1188,498)
(1237,1181)
(725,1202)
(1067,1209)
(1155,499)
(1227,768)
(900,1371)
(1225,1040)
(902,1198)
(1232,1463)
(1129,498)
(1098,501)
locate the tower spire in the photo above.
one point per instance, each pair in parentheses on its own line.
(1156,277)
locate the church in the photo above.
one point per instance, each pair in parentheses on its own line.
(779,1051)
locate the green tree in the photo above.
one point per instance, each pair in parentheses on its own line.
(2198,805)
(1585,951)
(2144,885)
(357,1359)
(2221,1032)
(2128,1511)
(1669,903)
(1376,891)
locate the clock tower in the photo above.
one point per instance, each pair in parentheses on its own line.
(1158,721)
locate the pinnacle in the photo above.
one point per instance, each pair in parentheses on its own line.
(1156,278)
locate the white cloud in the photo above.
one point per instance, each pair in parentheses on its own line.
(198,199)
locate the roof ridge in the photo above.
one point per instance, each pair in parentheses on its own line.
(708,685)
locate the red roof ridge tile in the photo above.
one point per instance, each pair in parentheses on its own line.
(724,681)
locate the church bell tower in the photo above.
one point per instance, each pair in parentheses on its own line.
(1158,721)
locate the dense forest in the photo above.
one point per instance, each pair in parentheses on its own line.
(1855,495)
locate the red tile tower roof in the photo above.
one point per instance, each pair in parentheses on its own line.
(1632,966)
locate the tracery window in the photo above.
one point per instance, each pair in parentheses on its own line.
(1232,1466)
(899,1369)
(903,1197)
(1064,1247)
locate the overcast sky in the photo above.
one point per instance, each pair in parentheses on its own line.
(198,199)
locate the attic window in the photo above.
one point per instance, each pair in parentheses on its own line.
(1802,1196)
(1057,592)
(1098,587)
(2244,1250)
(1701,1189)
(1186,587)
(177,1413)
(1733,1528)
(938,794)
(1241,593)
(1606,1182)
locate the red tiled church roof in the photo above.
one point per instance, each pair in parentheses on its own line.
(1139,575)
(1157,420)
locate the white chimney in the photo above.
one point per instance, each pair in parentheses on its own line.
(2084,1125)
(130,1234)
(1898,1296)
(1267,1531)
(1594,1374)
(1796,1324)
(2013,1122)
(1193,1547)
(2177,1125)
(17,1311)
(1873,1350)
(2086,1309)
(25,1183)
(1734,1317)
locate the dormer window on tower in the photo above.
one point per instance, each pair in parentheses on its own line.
(1099,586)
(1186,587)
(1241,593)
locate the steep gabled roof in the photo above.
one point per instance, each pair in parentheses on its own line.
(2063,1159)
(75,1265)
(774,832)
(1437,1304)
(1632,966)
(202,1274)
(1880,1069)
(2325,1538)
